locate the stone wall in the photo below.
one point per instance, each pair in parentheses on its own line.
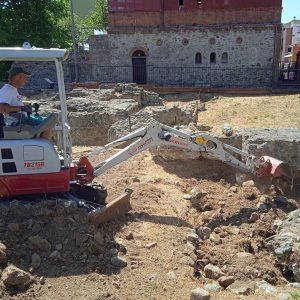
(170,58)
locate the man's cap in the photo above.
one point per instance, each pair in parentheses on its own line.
(15,71)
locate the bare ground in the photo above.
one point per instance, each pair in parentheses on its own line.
(169,268)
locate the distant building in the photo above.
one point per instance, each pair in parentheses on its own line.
(291,41)
(188,42)
(290,56)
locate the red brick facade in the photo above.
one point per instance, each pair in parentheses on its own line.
(168,13)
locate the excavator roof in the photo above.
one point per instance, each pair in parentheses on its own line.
(32,54)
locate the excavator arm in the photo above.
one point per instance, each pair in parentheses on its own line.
(158,134)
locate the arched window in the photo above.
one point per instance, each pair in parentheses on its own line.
(198,58)
(138,53)
(224,58)
(213,58)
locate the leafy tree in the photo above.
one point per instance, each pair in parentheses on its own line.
(38,22)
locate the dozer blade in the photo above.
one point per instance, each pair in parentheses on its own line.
(273,166)
(112,210)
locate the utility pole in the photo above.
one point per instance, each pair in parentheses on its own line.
(74,42)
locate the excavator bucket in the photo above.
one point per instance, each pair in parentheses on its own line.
(273,166)
(112,210)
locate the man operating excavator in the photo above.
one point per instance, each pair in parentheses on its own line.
(13,107)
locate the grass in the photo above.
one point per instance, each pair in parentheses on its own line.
(269,111)
(295,295)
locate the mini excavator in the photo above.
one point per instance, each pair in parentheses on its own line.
(30,165)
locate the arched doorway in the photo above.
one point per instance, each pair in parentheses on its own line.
(139,71)
(297,66)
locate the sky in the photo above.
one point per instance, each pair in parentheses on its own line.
(83,8)
(291,9)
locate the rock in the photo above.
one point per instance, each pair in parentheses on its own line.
(233,189)
(172,275)
(35,261)
(98,237)
(285,296)
(129,236)
(38,243)
(121,245)
(215,238)
(233,230)
(203,232)
(262,206)
(212,272)
(187,260)
(2,247)
(249,183)
(187,197)
(151,245)
(3,257)
(266,287)
(14,277)
(199,294)
(55,256)
(227,130)
(254,217)
(119,261)
(42,280)
(295,285)
(240,288)
(295,267)
(212,287)
(80,238)
(192,237)
(14,227)
(36,227)
(135,179)
(226,281)
(58,247)
(152,277)
(113,251)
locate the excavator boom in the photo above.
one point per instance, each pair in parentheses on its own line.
(158,134)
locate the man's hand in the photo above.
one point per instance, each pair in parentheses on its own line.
(27,108)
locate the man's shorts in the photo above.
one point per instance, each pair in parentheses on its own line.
(35,120)
(16,119)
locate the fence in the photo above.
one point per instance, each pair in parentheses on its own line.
(179,76)
(289,71)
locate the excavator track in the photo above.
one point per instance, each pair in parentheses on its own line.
(93,196)
(92,193)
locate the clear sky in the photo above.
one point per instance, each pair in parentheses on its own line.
(291,9)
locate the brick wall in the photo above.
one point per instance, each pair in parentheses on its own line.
(118,21)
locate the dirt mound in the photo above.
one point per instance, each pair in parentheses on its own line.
(188,218)
(54,238)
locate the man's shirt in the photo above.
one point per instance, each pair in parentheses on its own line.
(10,96)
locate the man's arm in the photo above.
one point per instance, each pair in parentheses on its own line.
(6,108)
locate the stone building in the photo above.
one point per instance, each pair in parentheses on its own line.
(218,43)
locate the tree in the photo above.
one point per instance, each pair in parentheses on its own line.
(38,22)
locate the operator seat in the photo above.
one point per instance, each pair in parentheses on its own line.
(25,131)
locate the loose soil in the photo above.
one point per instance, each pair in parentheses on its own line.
(161,264)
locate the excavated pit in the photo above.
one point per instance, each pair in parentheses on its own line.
(192,218)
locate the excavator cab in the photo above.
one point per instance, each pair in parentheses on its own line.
(26,131)
(30,165)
